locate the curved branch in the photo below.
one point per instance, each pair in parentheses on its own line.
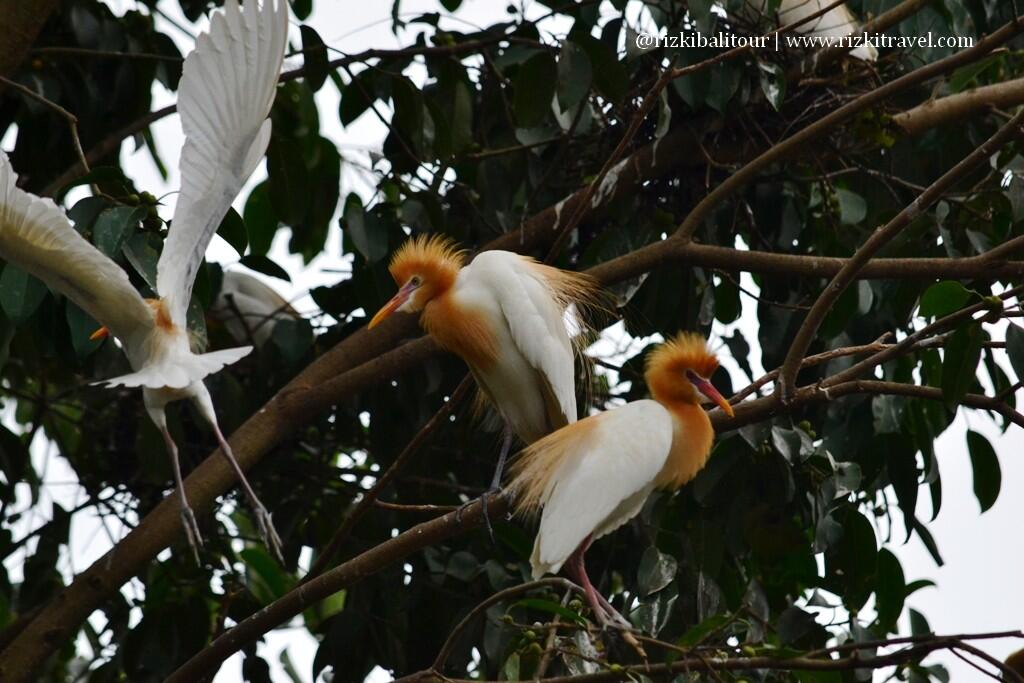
(824,303)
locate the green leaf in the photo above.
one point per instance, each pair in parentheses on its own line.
(943,298)
(551,607)
(697,634)
(314,54)
(611,79)
(81,326)
(262,264)
(534,87)
(960,363)
(1015,349)
(574,75)
(232,229)
(357,96)
(657,569)
(113,227)
(20,294)
(366,233)
(261,221)
(918,624)
(891,590)
(302,9)
(985,468)
(288,179)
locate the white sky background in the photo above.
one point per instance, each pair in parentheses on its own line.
(978,588)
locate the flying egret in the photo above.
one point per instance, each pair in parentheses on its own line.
(249,308)
(225,94)
(504,315)
(838,22)
(592,477)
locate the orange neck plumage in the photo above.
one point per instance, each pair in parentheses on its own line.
(462,331)
(692,431)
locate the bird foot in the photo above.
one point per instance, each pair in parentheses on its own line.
(195,539)
(493,491)
(614,623)
(267,531)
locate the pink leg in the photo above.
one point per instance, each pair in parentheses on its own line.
(575,566)
(266,526)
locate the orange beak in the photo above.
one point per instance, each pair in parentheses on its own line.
(404,292)
(101,333)
(708,389)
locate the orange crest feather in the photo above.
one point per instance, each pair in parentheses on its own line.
(685,351)
(435,258)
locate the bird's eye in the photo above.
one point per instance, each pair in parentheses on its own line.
(416,281)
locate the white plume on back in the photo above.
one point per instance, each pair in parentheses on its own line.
(226,91)
(37,237)
(535,321)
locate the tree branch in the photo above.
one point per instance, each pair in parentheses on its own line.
(809,328)
(747,173)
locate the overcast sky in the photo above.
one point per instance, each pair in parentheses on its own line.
(978,588)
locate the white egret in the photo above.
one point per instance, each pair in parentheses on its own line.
(224,98)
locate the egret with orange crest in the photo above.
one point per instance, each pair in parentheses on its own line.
(504,314)
(226,91)
(592,477)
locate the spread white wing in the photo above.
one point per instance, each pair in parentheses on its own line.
(36,236)
(604,474)
(535,320)
(226,91)
(835,23)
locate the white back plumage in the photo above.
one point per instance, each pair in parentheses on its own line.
(534,319)
(835,23)
(226,91)
(602,481)
(36,236)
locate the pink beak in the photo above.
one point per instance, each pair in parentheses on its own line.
(708,389)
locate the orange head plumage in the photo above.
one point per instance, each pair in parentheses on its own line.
(425,267)
(678,371)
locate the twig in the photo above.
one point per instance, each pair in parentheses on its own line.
(500,596)
(71,119)
(386,477)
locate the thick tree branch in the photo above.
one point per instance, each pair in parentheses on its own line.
(959,107)
(809,328)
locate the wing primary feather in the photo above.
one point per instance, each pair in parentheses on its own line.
(227,89)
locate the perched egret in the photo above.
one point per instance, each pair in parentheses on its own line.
(226,90)
(249,308)
(504,314)
(837,22)
(592,477)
